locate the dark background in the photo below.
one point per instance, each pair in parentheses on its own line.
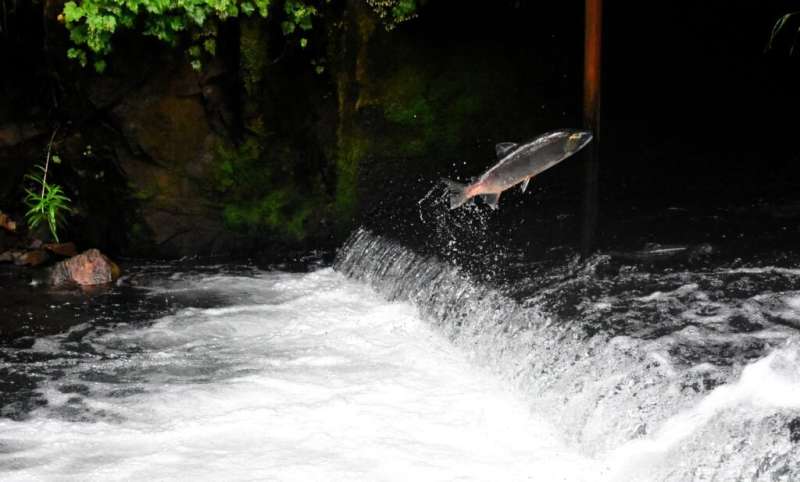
(697,116)
(694,107)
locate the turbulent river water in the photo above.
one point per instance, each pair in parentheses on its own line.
(392,365)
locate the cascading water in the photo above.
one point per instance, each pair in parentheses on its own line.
(608,371)
(671,375)
(233,373)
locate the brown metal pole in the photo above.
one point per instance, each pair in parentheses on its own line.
(591,121)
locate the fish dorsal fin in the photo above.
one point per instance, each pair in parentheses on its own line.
(504,148)
(524,184)
(491,199)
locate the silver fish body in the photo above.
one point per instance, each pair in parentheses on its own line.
(518,164)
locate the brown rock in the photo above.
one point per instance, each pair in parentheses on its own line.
(66,250)
(7,223)
(34,257)
(86,269)
(6,257)
(13,134)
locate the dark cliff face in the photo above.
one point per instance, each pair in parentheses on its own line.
(161,160)
(257,150)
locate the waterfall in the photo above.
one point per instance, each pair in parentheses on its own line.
(671,375)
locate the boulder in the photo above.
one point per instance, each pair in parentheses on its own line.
(7,223)
(34,257)
(86,269)
(13,134)
(66,250)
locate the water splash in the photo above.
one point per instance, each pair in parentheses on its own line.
(466,233)
(687,343)
(293,377)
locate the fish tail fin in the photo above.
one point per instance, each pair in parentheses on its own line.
(458,193)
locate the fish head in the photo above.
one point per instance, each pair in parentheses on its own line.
(576,140)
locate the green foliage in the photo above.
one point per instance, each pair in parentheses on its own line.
(259,198)
(429,111)
(280,212)
(352,150)
(394,12)
(46,202)
(298,16)
(785,34)
(253,43)
(92,24)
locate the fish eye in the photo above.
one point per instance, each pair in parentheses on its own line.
(573,141)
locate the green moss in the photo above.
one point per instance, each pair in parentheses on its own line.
(253,44)
(414,112)
(259,200)
(146,193)
(140,238)
(428,111)
(351,152)
(281,212)
(296,226)
(404,97)
(238,170)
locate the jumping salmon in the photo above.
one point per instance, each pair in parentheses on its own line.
(518,164)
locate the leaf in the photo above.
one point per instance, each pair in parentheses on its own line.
(56,159)
(262,6)
(46,201)
(303,42)
(72,12)
(210,45)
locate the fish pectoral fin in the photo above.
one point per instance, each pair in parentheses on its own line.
(524,184)
(504,148)
(491,199)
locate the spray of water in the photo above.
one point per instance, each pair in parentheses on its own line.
(679,403)
(291,377)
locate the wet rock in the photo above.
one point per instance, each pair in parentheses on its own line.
(7,257)
(13,134)
(794,430)
(86,269)
(35,257)
(168,159)
(66,250)
(7,223)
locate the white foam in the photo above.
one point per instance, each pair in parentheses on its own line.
(663,295)
(764,270)
(315,378)
(772,383)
